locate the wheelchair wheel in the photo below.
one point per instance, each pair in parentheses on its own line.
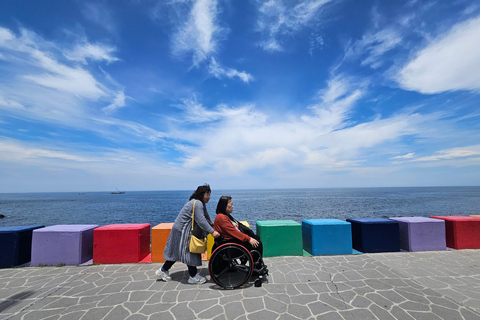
(230,266)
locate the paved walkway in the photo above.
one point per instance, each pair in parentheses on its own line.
(421,285)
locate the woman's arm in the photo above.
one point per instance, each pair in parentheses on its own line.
(200,218)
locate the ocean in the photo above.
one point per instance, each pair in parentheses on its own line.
(154,207)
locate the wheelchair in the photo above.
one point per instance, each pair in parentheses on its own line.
(232,265)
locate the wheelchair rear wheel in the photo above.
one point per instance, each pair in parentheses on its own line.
(230,266)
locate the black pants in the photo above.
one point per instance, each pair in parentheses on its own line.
(192,270)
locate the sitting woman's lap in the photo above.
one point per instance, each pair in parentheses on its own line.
(247,245)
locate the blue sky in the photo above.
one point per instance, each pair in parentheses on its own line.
(168,95)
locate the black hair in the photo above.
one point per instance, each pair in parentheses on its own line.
(200,192)
(222,204)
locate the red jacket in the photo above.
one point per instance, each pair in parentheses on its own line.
(228,229)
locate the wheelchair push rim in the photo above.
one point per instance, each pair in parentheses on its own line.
(230,266)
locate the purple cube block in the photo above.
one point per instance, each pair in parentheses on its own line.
(58,244)
(421,234)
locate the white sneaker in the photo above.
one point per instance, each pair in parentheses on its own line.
(163,275)
(198,279)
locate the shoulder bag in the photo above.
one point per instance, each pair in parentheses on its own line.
(198,243)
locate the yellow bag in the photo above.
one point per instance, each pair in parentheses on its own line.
(196,245)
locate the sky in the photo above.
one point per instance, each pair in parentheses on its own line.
(240,94)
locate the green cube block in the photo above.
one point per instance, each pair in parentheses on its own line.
(280,237)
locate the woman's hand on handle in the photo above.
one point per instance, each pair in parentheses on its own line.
(253,242)
(215,234)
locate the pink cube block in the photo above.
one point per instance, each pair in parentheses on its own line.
(62,244)
(121,243)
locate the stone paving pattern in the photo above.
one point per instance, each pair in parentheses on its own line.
(420,285)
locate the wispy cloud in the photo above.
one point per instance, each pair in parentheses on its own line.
(450,62)
(118,102)
(95,52)
(406,156)
(372,47)
(279,19)
(200,32)
(100,14)
(35,62)
(12,151)
(244,139)
(42,85)
(454,153)
(196,113)
(219,72)
(335,101)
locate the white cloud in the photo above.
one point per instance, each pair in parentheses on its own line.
(406,156)
(100,14)
(374,46)
(450,62)
(95,52)
(118,102)
(335,102)
(5,35)
(12,151)
(39,66)
(46,89)
(449,154)
(196,113)
(218,71)
(241,139)
(199,33)
(11,104)
(280,18)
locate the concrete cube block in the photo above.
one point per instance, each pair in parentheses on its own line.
(16,245)
(62,244)
(421,234)
(461,232)
(375,235)
(327,236)
(160,235)
(280,237)
(121,243)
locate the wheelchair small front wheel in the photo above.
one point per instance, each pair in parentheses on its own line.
(230,266)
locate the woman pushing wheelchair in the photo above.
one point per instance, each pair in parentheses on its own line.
(234,232)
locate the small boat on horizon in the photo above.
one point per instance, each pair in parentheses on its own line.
(117,192)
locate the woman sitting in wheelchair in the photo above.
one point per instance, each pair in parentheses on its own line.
(234,231)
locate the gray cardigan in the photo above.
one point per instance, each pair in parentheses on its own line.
(201,216)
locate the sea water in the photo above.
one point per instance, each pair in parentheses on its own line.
(155,207)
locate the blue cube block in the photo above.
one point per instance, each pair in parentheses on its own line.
(327,236)
(15,245)
(375,235)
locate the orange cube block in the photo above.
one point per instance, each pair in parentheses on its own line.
(121,243)
(160,235)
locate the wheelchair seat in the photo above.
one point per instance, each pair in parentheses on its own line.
(232,265)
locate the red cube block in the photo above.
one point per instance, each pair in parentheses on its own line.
(461,232)
(121,243)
